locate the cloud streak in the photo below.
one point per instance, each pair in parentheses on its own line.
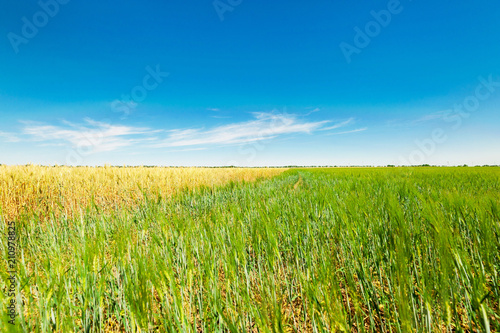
(97,136)
(9,137)
(351,131)
(439,115)
(265,126)
(339,125)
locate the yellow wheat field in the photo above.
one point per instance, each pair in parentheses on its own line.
(56,191)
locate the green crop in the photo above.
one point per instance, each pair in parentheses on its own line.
(310,250)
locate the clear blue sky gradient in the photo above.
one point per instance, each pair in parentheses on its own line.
(250,82)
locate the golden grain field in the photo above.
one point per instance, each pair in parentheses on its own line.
(56,191)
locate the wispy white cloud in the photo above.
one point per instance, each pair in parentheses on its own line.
(430,117)
(265,126)
(102,137)
(439,115)
(99,136)
(187,149)
(9,137)
(351,131)
(313,111)
(339,125)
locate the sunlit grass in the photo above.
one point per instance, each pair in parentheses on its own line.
(64,191)
(319,250)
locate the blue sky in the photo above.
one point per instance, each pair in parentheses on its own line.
(238,82)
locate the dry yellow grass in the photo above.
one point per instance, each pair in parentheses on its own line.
(67,190)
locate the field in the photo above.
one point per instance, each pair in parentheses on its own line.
(46,192)
(263,250)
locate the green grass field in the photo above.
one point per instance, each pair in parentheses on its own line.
(310,250)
